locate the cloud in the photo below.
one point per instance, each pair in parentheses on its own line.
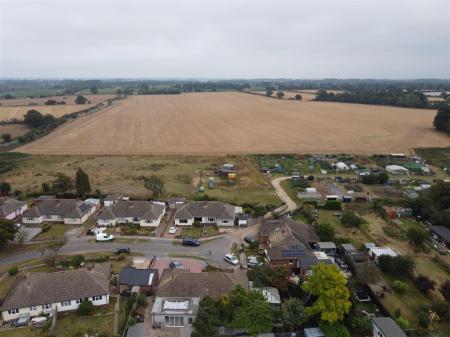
(231,39)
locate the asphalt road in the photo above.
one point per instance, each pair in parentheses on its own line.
(212,250)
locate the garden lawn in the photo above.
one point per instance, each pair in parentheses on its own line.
(55,231)
(197,232)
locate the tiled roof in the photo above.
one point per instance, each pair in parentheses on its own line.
(215,209)
(8,206)
(70,208)
(132,209)
(45,288)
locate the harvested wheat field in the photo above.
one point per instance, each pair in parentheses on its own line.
(17,112)
(232,122)
(15,130)
(70,99)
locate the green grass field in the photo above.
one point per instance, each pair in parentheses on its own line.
(55,231)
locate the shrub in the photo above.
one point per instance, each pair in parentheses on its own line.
(254,245)
(350,219)
(121,257)
(402,322)
(325,231)
(141,299)
(445,290)
(77,261)
(13,271)
(197,224)
(86,308)
(400,286)
(335,330)
(423,283)
(46,227)
(396,265)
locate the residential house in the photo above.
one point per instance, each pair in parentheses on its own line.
(68,211)
(307,262)
(441,234)
(206,212)
(347,249)
(11,208)
(287,252)
(112,199)
(386,327)
(140,212)
(44,293)
(271,229)
(138,280)
(179,293)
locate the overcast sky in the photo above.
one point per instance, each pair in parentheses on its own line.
(224,39)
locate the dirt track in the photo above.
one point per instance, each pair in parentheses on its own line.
(231,122)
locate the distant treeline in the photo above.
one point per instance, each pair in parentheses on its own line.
(410,99)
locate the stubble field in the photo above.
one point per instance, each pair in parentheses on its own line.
(234,123)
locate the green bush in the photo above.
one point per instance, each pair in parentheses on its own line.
(325,231)
(197,224)
(13,271)
(350,219)
(332,205)
(141,299)
(400,287)
(334,330)
(402,322)
(46,227)
(86,308)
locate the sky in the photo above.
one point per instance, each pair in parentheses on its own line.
(225,39)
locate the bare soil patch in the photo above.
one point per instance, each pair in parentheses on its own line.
(16,130)
(234,123)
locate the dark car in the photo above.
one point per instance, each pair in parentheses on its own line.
(250,239)
(174,264)
(190,242)
(122,250)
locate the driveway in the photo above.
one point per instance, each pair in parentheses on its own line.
(289,204)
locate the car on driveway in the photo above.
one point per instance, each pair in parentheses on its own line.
(122,250)
(231,259)
(172,230)
(103,237)
(174,264)
(250,239)
(191,242)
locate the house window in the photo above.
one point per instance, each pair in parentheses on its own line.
(78,301)
(30,219)
(135,219)
(65,303)
(225,221)
(190,320)
(97,298)
(33,308)
(13,311)
(148,221)
(211,219)
(174,321)
(183,221)
(47,306)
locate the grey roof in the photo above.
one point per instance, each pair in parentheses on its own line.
(301,231)
(132,209)
(70,208)
(8,206)
(388,327)
(112,197)
(313,332)
(307,262)
(443,232)
(45,288)
(290,248)
(216,209)
(137,277)
(272,295)
(348,247)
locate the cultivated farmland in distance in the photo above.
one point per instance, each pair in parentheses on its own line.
(19,107)
(232,122)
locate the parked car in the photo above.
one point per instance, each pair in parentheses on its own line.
(103,237)
(122,250)
(174,264)
(250,239)
(231,259)
(172,230)
(18,225)
(191,242)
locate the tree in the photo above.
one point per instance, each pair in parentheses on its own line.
(268,276)
(208,319)
(54,246)
(325,231)
(6,137)
(62,183)
(5,188)
(255,315)
(330,287)
(51,102)
(417,236)
(445,290)
(423,283)
(22,237)
(442,120)
(94,89)
(154,185)
(298,97)
(396,265)
(7,232)
(280,94)
(350,219)
(45,188)
(292,314)
(334,330)
(82,184)
(80,99)
(33,118)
